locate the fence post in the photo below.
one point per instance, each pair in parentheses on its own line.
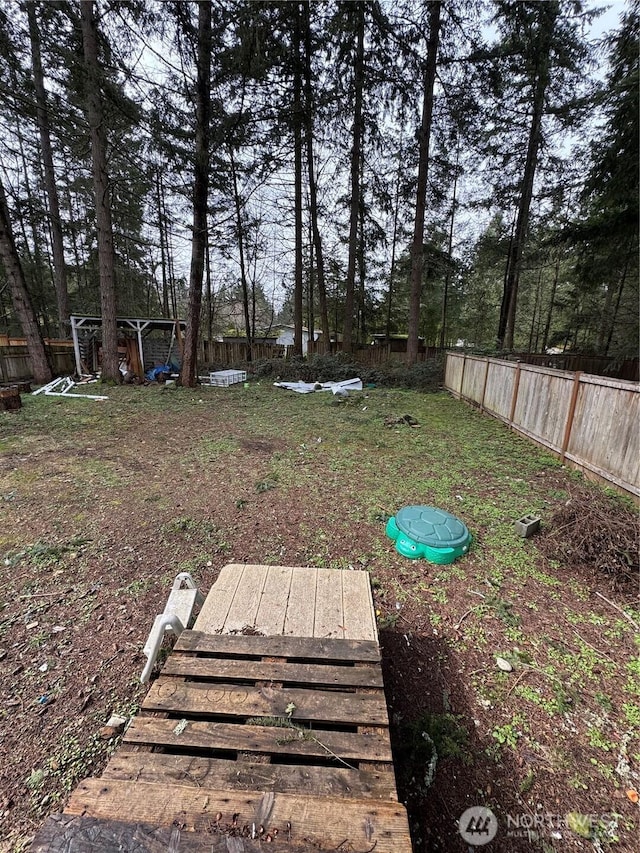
(484,386)
(571,413)
(1,367)
(514,398)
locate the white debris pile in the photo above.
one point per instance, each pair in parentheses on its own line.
(63,387)
(340,388)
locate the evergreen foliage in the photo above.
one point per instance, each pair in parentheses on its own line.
(531,197)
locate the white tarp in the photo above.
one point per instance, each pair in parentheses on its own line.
(310,387)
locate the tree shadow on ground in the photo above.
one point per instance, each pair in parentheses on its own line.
(426,694)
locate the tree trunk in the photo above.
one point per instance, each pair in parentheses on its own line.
(534,315)
(297,178)
(59,268)
(362,318)
(73,233)
(623,279)
(106,263)
(188,374)
(243,269)
(394,240)
(163,256)
(34,255)
(356,155)
(447,278)
(171,270)
(22,304)
(313,189)
(311,319)
(209,291)
(548,12)
(415,291)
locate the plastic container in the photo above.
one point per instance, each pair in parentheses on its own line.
(225,378)
(425,531)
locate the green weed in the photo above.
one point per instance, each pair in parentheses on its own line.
(632,714)
(439,594)
(510,733)
(427,740)
(597,739)
(633,682)
(35,780)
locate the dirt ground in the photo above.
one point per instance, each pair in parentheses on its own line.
(101,504)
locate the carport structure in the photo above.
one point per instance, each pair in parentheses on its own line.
(135,354)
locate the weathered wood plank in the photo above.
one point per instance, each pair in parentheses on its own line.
(226,669)
(325,821)
(213,613)
(263,740)
(302,603)
(246,776)
(357,605)
(227,700)
(65,833)
(273,603)
(292,648)
(246,601)
(328,620)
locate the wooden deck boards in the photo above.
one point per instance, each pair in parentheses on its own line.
(270,728)
(221,774)
(299,602)
(315,822)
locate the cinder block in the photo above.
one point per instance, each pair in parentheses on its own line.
(527,525)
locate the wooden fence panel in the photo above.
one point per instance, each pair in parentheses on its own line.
(15,364)
(498,395)
(611,368)
(453,372)
(604,435)
(231,353)
(590,420)
(473,378)
(542,406)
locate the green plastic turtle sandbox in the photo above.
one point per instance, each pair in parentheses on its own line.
(429,532)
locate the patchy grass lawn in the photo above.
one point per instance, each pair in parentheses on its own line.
(103,503)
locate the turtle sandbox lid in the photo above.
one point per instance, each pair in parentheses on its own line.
(425,531)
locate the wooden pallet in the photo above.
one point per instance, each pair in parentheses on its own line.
(291,600)
(246,743)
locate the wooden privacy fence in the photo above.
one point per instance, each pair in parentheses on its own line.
(591,421)
(15,363)
(231,353)
(373,355)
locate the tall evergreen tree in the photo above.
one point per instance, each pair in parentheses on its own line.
(21,299)
(607,235)
(298,117)
(44,127)
(102,192)
(309,115)
(543,28)
(421,192)
(536,76)
(188,373)
(358,13)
